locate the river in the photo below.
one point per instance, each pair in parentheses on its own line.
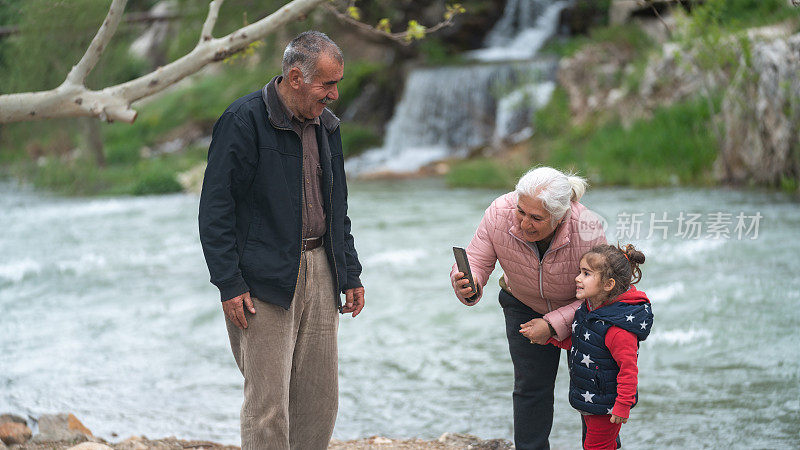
(106,312)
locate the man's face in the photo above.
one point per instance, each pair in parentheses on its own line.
(314,96)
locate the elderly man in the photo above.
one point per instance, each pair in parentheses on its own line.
(276,238)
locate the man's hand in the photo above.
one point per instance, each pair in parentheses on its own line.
(354,301)
(234,310)
(618,419)
(537,330)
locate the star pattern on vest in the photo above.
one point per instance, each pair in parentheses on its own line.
(586,360)
(629,318)
(586,336)
(644,325)
(574,324)
(609,410)
(587,397)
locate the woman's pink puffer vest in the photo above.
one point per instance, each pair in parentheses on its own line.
(547,287)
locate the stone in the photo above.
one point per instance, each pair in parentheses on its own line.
(761,116)
(61,427)
(4,418)
(134,443)
(14,433)
(90,446)
(468,441)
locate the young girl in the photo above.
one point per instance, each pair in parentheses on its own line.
(613,318)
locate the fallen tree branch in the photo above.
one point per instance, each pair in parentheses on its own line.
(77,75)
(211,20)
(73,99)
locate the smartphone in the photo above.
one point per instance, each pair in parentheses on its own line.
(463,266)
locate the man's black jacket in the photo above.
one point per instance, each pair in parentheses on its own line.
(250,217)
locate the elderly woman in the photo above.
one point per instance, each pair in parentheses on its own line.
(538,234)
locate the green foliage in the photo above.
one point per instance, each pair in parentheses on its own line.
(384,25)
(356,139)
(674,147)
(156,179)
(356,75)
(53,36)
(80,176)
(127,173)
(454,10)
(233,15)
(201,102)
(354,12)
(554,118)
(628,36)
(739,14)
(483,172)
(789,185)
(415,31)
(436,53)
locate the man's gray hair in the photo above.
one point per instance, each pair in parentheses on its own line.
(554,188)
(304,52)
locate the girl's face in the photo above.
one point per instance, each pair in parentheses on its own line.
(589,283)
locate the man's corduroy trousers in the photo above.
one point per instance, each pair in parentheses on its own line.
(289,360)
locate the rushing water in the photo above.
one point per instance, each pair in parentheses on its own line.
(448,112)
(106,312)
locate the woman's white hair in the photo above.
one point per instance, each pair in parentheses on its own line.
(554,188)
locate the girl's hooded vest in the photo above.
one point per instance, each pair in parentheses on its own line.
(593,371)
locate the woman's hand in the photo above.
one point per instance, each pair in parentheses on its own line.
(537,331)
(461,286)
(618,419)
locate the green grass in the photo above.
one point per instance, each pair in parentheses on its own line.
(623,36)
(736,15)
(356,139)
(126,172)
(675,146)
(81,176)
(483,173)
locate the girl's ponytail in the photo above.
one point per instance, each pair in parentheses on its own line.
(635,257)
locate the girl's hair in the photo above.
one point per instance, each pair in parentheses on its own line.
(554,188)
(618,263)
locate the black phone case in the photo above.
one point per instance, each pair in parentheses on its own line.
(463,266)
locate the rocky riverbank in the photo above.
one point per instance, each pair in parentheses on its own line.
(65,431)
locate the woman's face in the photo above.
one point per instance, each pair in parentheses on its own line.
(534,220)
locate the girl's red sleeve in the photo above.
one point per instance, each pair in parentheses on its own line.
(566,344)
(624,347)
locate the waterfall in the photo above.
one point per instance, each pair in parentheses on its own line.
(447,112)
